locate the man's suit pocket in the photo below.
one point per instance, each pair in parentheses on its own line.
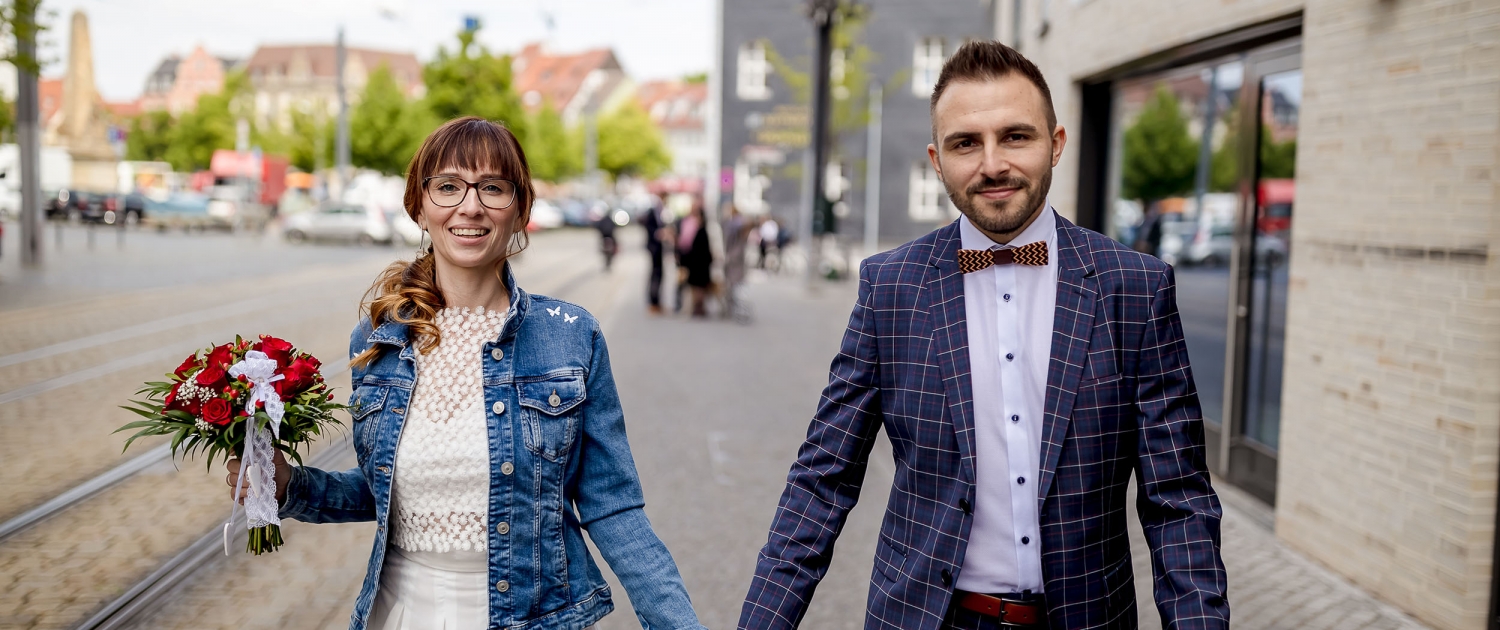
(890,562)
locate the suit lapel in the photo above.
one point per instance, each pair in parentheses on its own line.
(1072,324)
(945,291)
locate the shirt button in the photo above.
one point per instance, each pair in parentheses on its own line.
(1021,480)
(503,528)
(496,354)
(502,585)
(1015,418)
(498,407)
(947,577)
(1007,297)
(1010,357)
(507,468)
(1025,540)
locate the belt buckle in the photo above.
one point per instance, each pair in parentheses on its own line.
(1003,613)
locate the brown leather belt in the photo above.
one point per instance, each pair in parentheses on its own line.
(1009,612)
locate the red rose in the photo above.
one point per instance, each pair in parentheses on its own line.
(299,376)
(277,349)
(216,411)
(171,398)
(213,377)
(188,365)
(221,356)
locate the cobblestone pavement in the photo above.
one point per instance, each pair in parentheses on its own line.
(715,410)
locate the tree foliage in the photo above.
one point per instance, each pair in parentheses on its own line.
(385,128)
(149,136)
(630,143)
(1160,154)
(209,126)
(472,83)
(554,153)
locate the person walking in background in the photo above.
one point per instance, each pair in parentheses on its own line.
(737,230)
(694,259)
(652,223)
(1023,369)
(770,235)
(487,427)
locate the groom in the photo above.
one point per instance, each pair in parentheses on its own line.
(1023,369)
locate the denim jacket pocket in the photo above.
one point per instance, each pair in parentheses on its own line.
(551,406)
(366,404)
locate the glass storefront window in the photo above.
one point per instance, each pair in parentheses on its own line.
(1174,172)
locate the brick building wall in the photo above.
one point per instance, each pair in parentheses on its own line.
(1390,426)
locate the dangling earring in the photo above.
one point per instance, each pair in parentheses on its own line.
(420,240)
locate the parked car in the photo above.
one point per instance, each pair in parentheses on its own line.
(182,209)
(365,225)
(131,205)
(76,205)
(403,229)
(544,216)
(575,212)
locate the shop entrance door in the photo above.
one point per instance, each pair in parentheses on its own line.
(1259,264)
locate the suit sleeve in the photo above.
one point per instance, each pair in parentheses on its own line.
(824,482)
(1179,511)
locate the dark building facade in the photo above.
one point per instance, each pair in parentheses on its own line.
(766,59)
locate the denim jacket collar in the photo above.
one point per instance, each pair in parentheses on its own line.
(395,333)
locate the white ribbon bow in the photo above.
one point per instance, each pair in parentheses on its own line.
(258,459)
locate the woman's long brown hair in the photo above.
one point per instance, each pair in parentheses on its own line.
(407,292)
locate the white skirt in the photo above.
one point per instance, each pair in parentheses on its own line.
(425,590)
(428,590)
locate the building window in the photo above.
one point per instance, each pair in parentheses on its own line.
(927,199)
(926,63)
(750,188)
(753,70)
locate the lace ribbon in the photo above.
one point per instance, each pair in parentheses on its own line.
(258,460)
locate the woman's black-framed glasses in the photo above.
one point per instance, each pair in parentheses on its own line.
(448,191)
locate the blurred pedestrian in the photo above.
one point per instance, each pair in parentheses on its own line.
(607,244)
(652,222)
(452,346)
(694,259)
(737,230)
(770,237)
(1024,370)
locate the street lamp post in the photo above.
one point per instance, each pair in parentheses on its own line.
(28,130)
(816,160)
(341,142)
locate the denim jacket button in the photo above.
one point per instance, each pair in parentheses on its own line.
(497,354)
(502,586)
(503,528)
(554,400)
(507,468)
(498,407)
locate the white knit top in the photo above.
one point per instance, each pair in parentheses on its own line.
(440,492)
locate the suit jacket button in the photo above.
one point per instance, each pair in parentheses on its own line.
(947,577)
(963,504)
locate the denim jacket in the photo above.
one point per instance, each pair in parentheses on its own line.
(559,464)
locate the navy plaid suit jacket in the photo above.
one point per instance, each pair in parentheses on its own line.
(1120,399)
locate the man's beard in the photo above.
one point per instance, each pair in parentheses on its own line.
(1006,215)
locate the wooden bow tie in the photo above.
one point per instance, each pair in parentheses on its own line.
(1031,254)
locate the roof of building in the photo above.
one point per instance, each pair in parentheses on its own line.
(124,109)
(543,77)
(49,93)
(674,104)
(322,61)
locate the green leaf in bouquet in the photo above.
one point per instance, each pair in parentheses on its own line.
(138,424)
(179,415)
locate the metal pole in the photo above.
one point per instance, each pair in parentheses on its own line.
(872,170)
(1206,148)
(591,153)
(341,143)
(822,15)
(28,135)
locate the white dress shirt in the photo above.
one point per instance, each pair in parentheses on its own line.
(1009,311)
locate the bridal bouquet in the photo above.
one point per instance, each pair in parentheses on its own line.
(241,399)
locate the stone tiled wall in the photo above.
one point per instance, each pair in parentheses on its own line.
(1390,439)
(1392,399)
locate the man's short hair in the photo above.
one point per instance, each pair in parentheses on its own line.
(986,60)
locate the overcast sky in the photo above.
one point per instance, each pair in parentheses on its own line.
(652,38)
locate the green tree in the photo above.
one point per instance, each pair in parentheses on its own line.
(553,153)
(472,83)
(630,144)
(1278,160)
(149,136)
(385,128)
(210,126)
(1160,155)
